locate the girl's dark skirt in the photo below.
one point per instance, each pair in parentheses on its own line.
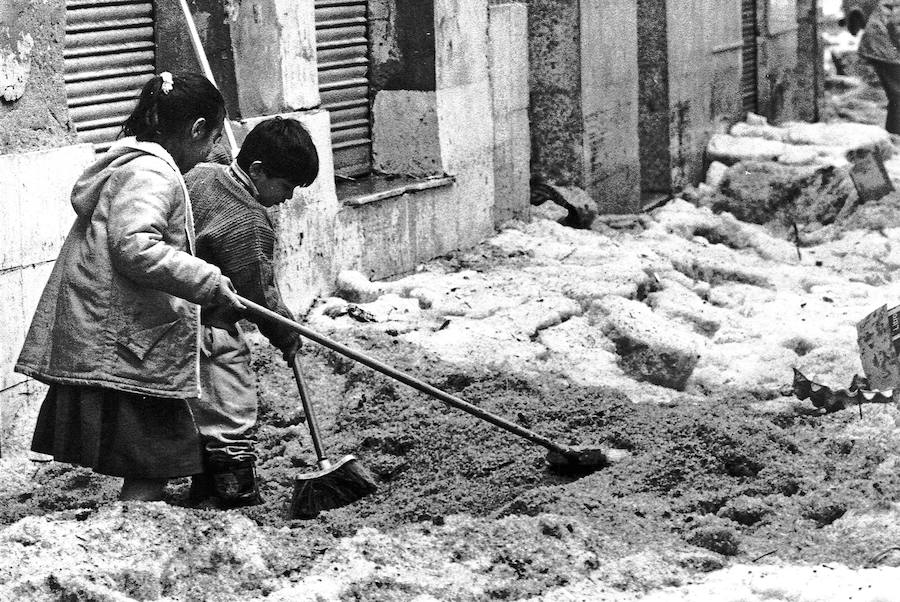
(118,434)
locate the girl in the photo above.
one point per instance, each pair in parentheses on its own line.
(115,333)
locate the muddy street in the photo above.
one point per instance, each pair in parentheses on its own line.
(726,475)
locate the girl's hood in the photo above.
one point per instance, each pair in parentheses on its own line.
(86,192)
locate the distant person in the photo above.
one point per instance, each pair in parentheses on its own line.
(115,333)
(234,233)
(880,46)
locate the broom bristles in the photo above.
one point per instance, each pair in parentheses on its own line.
(343,483)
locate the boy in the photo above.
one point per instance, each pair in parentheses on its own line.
(234,232)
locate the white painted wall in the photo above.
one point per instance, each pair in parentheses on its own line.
(35,216)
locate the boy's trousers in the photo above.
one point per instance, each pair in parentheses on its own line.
(228,404)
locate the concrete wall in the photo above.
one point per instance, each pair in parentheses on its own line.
(790,82)
(448,129)
(35,134)
(432,114)
(262,52)
(33,110)
(584,98)
(704,79)
(555,109)
(602,70)
(609,97)
(809,76)
(653,97)
(508,36)
(35,216)
(173,45)
(778,59)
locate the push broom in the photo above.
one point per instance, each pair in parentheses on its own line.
(334,484)
(562,458)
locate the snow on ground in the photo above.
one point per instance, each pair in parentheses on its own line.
(745,308)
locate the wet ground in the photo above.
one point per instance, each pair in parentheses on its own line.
(716,477)
(705,486)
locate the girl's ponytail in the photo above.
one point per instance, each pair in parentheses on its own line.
(143,122)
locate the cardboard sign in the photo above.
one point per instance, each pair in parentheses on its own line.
(870,177)
(878,336)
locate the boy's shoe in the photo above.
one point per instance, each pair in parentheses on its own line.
(234,484)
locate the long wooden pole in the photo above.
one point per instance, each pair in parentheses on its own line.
(413,382)
(207,70)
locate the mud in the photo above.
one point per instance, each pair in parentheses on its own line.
(725,479)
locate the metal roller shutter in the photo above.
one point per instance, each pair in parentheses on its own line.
(749,61)
(109,53)
(342,47)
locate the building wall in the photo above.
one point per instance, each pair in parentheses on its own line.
(609,92)
(584,98)
(33,110)
(809,75)
(555,110)
(704,79)
(35,216)
(653,97)
(35,140)
(791,81)
(625,94)
(778,86)
(508,37)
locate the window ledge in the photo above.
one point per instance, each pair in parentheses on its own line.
(376,187)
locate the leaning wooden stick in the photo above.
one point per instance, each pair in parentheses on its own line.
(207,70)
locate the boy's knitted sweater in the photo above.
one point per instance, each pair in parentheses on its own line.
(235,233)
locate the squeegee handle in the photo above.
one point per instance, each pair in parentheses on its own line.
(406,379)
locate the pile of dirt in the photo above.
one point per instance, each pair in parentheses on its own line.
(726,475)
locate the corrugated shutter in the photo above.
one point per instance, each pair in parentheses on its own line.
(109,54)
(749,72)
(342,47)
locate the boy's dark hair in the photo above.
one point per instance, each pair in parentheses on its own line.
(160,113)
(284,148)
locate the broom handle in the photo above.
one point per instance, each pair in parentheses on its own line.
(406,379)
(311,422)
(207,70)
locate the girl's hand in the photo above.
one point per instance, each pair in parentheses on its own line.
(227,295)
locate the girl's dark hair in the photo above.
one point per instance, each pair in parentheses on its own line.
(160,113)
(284,148)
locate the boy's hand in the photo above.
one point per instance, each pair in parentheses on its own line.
(227,295)
(290,350)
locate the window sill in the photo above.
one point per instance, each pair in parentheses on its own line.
(376,187)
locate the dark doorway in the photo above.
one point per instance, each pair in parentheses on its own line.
(653,102)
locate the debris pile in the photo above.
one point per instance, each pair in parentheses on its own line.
(795,178)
